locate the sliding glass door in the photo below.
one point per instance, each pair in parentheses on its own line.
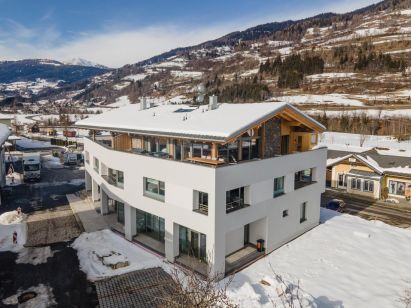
(192,243)
(150,225)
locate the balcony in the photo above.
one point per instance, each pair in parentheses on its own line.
(202,209)
(303,178)
(235,206)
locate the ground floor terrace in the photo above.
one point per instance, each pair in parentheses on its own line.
(182,245)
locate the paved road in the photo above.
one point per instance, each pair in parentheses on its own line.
(371,209)
(61,273)
(49,193)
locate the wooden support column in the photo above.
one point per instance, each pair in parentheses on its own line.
(93,134)
(240,150)
(214,151)
(171,148)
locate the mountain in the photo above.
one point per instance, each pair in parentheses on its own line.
(355,61)
(33,69)
(84,62)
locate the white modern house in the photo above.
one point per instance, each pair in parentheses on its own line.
(205,185)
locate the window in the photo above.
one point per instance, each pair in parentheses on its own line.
(356,184)
(235,200)
(303,178)
(278,186)
(397,188)
(192,243)
(303,212)
(96,165)
(150,225)
(368,185)
(87,154)
(154,189)
(341,180)
(200,202)
(115,177)
(285,213)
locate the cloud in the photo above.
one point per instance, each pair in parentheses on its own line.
(115,47)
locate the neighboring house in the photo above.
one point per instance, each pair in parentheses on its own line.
(204,185)
(368,171)
(6,119)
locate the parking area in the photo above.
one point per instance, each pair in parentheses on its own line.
(51,272)
(394,214)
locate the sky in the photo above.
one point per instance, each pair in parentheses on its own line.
(119,32)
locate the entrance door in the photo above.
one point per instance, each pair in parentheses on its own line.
(246,234)
(285,141)
(299,143)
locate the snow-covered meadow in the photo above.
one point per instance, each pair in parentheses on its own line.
(344,262)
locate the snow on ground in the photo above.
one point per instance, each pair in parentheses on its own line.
(180,99)
(344,262)
(249,73)
(44,298)
(335,99)
(135,77)
(187,74)
(331,76)
(372,113)
(121,85)
(34,255)
(11,222)
(100,243)
(120,102)
(389,142)
(14,179)
(51,162)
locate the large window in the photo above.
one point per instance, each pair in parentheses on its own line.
(154,189)
(192,243)
(150,225)
(397,188)
(235,199)
(96,165)
(200,202)
(341,180)
(368,185)
(116,177)
(356,184)
(303,212)
(303,178)
(278,186)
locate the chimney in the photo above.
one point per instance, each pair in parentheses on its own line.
(212,104)
(143,103)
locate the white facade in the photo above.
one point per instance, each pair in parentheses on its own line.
(224,231)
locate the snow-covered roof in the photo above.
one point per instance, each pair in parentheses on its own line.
(4,133)
(222,123)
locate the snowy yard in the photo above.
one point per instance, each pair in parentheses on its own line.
(10,223)
(345,262)
(97,250)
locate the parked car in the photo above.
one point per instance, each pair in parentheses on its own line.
(336,205)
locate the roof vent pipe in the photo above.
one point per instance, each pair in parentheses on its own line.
(143,103)
(212,104)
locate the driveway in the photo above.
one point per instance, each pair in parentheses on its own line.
(64,283)
(396,215)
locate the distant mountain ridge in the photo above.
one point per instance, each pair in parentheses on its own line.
(33,69)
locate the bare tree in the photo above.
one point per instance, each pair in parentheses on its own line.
(406,298)
(193,290)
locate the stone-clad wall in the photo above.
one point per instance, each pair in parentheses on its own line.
(272,138)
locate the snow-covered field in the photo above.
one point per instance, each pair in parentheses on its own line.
(344,262)
(92,247)
(372,113)
(335,99)
(331,138)
(120,102)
